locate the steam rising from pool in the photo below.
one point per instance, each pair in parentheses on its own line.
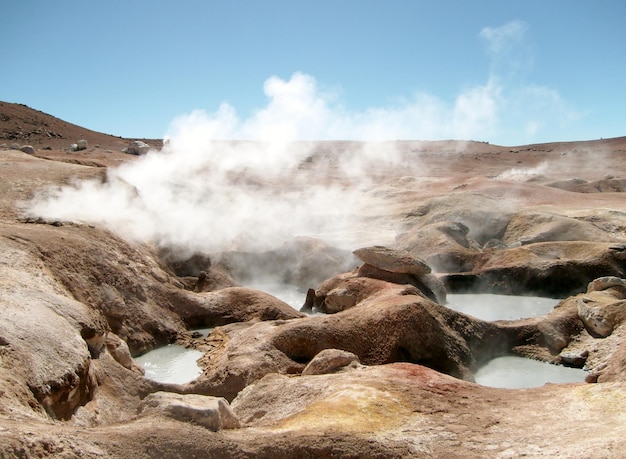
(490,307)
(513,372)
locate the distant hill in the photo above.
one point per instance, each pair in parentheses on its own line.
(26,126)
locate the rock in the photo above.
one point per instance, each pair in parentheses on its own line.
(137,147)
(53,367)
(428,284)
(214,413)
(532,227)
(15,146)
(618,251)
(234,304)
(595,319)
(604,283)
(121,353)
(339,299)
(574,359)
(74,147)
(309,301)
(436,286)
(81,145)
(348,290)
(330,361)
(395,261)
(552,269)
(28,149)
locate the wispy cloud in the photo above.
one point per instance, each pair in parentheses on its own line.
(508,108)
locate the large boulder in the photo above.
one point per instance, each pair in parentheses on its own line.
(81,145)
(395,261)
(384,264)
(214,413)
(137,147)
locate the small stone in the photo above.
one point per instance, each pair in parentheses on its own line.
(574,359)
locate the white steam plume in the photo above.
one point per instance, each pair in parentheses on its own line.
(222,182)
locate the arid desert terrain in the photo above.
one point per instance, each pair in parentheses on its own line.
(106,255)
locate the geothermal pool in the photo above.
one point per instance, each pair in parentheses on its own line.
(513,372)
(487,306)
(290,294)
(483,306)
(177,364)
(171,364)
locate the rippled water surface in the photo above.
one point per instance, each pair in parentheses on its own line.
(487,306)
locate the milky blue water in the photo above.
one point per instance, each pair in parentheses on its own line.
(171,364)
(490,307)
(177,364)
(290,294)
(514,372)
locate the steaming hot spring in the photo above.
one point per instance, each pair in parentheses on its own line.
(281,298)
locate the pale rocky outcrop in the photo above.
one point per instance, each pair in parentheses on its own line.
(553,269)
(601,314)
(214,413)
(49,357)
(530,227)
(415,403)
(137,147)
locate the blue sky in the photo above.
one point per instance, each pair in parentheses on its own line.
(507,72)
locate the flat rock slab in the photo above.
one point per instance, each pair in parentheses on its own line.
(214,413)
(395,261)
